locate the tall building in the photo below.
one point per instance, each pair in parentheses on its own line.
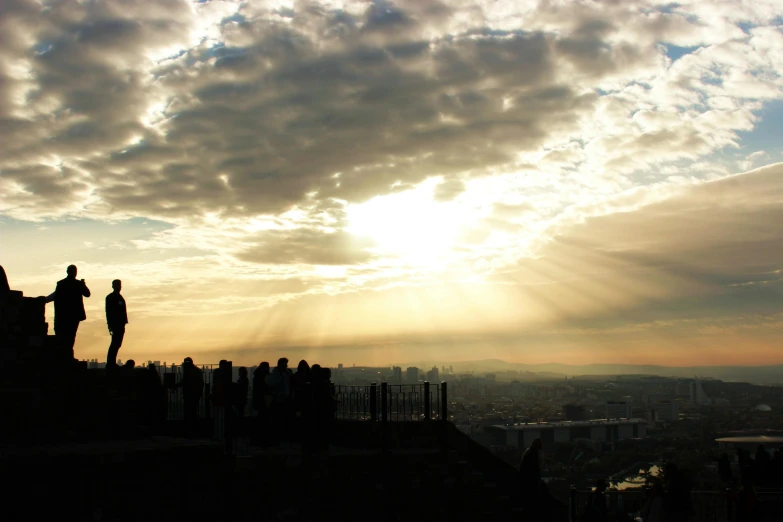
(433,375)
(396,375)
(339,366)
(412,375)
(697,395)
(618,409)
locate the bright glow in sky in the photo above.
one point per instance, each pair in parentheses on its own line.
(394,181)
(411,225)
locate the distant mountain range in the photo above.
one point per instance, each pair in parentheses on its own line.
(772,374)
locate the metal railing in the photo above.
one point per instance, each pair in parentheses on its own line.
(171,375)
(373,402)
(392,402)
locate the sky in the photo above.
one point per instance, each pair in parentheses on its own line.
(372,182)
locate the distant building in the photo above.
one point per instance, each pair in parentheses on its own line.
(433,375)
(618,409)
(396,375)
(522,435)
(339,366)
(412,375)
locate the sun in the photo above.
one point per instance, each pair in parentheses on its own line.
(410,224)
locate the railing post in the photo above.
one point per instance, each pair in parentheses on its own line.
(384,402)
(444,402)
(572,513)
(207,400)
(427,402)
(384,419)
(373,402)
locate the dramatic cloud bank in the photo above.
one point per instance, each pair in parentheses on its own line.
(360,172)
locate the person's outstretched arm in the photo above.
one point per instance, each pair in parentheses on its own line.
(50,297)
(85,290)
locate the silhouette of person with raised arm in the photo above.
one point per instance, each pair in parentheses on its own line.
(68,308)
(116,319)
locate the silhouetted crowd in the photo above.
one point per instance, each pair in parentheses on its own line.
(290,406)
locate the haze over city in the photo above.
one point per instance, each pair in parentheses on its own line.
(388,182)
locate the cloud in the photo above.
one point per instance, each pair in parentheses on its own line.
(172,110)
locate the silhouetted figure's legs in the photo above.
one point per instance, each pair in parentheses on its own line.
(191,417)
(117,335)
(65,331)
(230,420)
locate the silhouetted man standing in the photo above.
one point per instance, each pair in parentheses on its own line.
(68,308)
(116,319)
(192,384)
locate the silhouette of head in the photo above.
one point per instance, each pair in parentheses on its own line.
(116,285)
(282,363)
(187,361)
(537,444)
(242,371)
(327,374)
(303,367)
(264,365)
(71,271)
(316,372)
(130,364)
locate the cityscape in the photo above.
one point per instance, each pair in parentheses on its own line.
(592,426)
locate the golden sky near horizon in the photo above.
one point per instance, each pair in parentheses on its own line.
(380,182)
